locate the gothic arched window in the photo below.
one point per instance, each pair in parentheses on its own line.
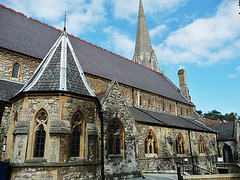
(170,108)
(149,103)
(180,144)
(181,111)
(202,145)
(76,128)
(115,136)
(163,106)
(40,133)
(150,143)
(15,70)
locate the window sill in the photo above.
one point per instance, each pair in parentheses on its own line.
(114,157)
(151,155)
(36,160)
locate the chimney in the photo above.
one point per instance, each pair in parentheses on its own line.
(183,84)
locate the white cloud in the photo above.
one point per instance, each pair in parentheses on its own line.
(128,9)
(121,42)
(205,41)
(82,15)
(235,74)
(158,31)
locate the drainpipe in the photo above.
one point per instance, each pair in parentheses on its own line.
(102,143)
(190,147)
(132,97)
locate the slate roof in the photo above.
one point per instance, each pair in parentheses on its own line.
(59,71)
(225,130)
(211,121)
(9,88)
(30,37)
(167,120)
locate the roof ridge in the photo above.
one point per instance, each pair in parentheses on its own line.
(13,10)
(220,123)
(100,92)
(77,38)
(211,120)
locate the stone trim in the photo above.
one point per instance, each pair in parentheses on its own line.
(59,127)
(55,164)
(22,127)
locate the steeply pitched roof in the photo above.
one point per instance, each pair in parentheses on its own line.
(225,130)
(9,88)
(59,71)
(167,120)
(30,37)
(211,121)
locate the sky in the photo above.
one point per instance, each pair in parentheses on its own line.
(203,37)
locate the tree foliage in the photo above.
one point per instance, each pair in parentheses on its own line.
(216,115)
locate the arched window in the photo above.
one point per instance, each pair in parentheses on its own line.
(150,143)
(40,133)
(149,103)
(115,136)
(202,145)
(163,106)
(140,101)
(186,112)
(15,70)
(180,144)
(170,108)
(181,111)
(76,128)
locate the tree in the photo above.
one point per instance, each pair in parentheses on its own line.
(216,115)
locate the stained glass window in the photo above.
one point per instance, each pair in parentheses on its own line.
(180,144)
(150,143)
(202,145)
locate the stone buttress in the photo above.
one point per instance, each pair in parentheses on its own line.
(120,156)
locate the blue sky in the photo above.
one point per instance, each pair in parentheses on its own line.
(201,36)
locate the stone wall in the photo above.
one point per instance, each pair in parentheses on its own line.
(60,110)
(166,143)
(157,103)
(80,171)
(125,164)
(27,65)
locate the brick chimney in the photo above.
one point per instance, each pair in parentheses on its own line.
(183,84)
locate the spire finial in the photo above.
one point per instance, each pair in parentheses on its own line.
(65,19)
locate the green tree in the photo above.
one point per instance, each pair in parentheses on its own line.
(216,115)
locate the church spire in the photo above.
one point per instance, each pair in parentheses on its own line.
(144,53)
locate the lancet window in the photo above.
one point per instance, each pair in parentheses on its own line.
(115,134)
(77,128)
(202,145)
(40,133)
(150,143)
(180,144)
(15,70)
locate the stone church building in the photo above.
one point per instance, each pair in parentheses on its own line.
(70,109)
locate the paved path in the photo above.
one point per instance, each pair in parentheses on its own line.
(158,176)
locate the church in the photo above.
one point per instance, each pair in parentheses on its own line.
(72,110)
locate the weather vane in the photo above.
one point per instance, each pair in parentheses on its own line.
(65,19)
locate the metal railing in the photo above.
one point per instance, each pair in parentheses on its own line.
(194,169)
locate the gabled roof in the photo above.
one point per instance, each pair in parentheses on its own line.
(60,70)
(32,38)
(225,130)
(9,88)
(167,120)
